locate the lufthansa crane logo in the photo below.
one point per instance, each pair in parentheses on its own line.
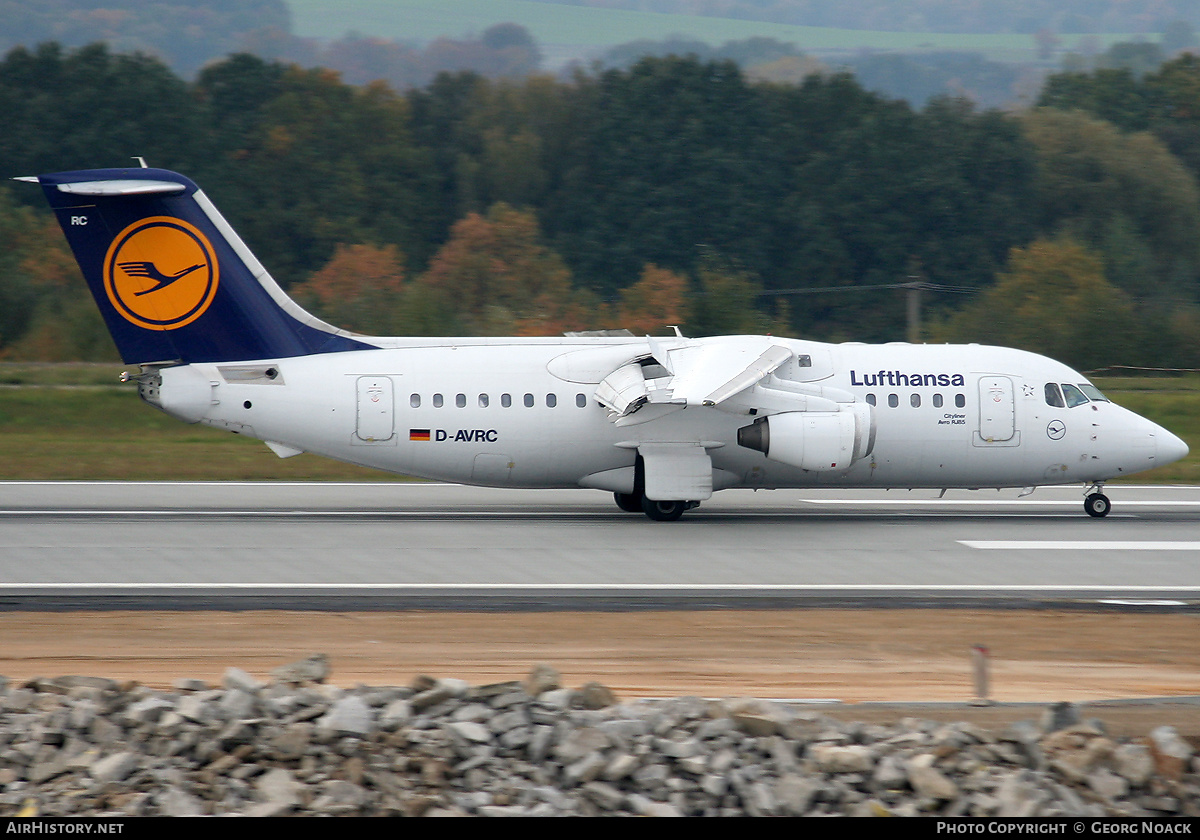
(161,273)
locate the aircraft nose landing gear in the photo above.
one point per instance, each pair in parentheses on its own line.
(1096,503)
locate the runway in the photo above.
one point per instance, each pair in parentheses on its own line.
(73,545)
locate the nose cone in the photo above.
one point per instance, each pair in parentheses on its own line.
(1168,447)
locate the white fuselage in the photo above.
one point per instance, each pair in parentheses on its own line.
(506,413)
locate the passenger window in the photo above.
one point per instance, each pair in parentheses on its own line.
(960,401)
(915,400)
(415,401)
(870,399)
(483,400)
(1054,396)
(1073,396)
(551,400)
(937,400)
(437,400)
(461,401)
(529,400)
(506,400)
(893,400)
(580,401)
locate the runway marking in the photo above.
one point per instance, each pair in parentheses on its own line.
(541,510)
(1141,602)
(616,587)
(1084,545)
(995,502)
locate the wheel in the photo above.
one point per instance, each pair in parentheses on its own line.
(663,511)
(629,502)
(1097,505)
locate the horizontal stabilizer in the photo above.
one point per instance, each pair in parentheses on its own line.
(122,186)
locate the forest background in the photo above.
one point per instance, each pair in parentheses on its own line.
(633,192)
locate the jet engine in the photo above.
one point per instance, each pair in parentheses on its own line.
(813,440)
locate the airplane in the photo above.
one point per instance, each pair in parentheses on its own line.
(662,423)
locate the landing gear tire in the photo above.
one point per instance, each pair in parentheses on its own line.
(663,511)
(629,502)
(1097,505)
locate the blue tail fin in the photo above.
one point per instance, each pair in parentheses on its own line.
(173,280)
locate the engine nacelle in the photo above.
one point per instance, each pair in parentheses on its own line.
(813,440)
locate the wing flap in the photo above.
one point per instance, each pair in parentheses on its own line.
(710,371)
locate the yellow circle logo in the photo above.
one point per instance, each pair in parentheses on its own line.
(161,273)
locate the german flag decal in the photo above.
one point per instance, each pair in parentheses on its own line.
(418,434)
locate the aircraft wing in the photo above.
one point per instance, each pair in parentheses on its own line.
(698,372)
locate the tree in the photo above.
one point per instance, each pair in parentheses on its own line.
(658,300)
(318,162)
(361,288)
(669,156)
(498,278)
(727,301)
(1052,299)
(19,229)
(1124,195)
(89,107)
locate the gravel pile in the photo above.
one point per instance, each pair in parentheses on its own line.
(294,745)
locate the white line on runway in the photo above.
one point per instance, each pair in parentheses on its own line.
(612,587)
(1084,545)
(992,502)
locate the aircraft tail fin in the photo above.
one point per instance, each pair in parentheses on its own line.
(173,280)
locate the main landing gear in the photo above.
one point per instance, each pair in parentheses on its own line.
(656,510)
(1096,503)
(636,502)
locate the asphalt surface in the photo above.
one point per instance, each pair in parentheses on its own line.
(85,545)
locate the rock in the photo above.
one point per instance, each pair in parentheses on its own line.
(542,678)
(593,695)
(314,669)
(236,678)
(470,731)
(439,692)
(753,716)
(442,747)
(348,716)
(1170,752)
(113,768)
(1134,762)
(831,758)
(927,780)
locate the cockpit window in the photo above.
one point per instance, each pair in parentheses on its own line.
(1054,396)
(1073,396)
(1092,392)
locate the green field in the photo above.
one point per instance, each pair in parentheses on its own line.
(62,422)
(77,429)
(576,26)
